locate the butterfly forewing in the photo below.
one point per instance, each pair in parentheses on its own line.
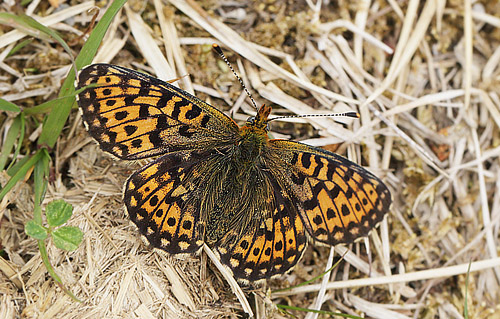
(133,115)
(338,200)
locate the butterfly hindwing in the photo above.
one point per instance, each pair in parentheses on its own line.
(133,115)
(159,201)
(269,247)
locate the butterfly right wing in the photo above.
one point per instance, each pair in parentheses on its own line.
(338,200)
(133,115)
(272,241)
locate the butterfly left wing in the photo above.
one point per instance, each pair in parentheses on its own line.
(338,200)
(160,199)
(133,115)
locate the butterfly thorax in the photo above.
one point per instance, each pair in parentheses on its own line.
(250,145)
(252,138)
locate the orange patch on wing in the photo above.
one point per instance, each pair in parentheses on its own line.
(118,103)
(111,91)
(257,244)
(169,222)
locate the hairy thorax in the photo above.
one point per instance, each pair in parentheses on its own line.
(250,146)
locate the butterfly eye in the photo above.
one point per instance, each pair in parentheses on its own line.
(251,120)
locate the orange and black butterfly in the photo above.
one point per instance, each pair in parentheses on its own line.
(255,201)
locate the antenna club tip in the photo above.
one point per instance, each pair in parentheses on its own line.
(353,114)
(217,48)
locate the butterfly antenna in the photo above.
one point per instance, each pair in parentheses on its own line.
(218,49)
(345,114)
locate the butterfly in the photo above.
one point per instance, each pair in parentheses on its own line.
(255,201)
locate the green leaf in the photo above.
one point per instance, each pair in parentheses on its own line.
(13,168)
(48,106)
(10,140)
(29,25)
(20,139)
(19,46)
(40,180)
(55,121)
(17,22)
(19,172)
(67,237)
(29,21)
(53,126)
(8,106)
(35,230)
(52,272)
(58,212)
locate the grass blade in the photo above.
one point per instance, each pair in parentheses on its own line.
(8,106)
(34,28)
(41,175)
(10,140)
(20,173)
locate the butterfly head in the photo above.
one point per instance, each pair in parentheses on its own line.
(259,122)
(253,138)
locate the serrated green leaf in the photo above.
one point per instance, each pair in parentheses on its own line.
(35,230)
(67,237)
(58,212)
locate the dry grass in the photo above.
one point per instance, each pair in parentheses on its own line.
(425,79)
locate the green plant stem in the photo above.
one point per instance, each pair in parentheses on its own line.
(52,272)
